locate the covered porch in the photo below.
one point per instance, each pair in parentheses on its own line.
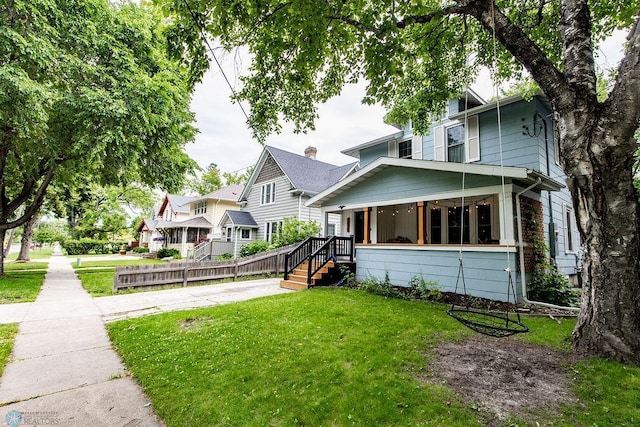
(184,235)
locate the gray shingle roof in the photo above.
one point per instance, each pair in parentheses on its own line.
(197,222)
(242,218)
(307,174)
(230,193)
(180,203)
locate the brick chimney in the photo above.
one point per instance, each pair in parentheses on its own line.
(310,152)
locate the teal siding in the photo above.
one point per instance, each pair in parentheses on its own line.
(484,271)
(395,182)
(370,154)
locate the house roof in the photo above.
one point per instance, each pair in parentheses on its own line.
(523,175)
(197,222)
(305,174)
(239,218)
(179,204)
(230,193)
(353,151)
(149,222)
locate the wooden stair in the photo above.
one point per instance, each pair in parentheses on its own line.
(297,279)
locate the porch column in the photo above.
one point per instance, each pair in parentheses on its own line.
(183,248)
(366,240)
(420,223)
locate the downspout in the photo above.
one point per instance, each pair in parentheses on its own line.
(215,213)
(523,281)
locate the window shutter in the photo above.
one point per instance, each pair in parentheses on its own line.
(416,147)
(393,149)
(438,144)
(473,139)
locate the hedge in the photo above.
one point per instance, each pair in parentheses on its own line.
(92,246)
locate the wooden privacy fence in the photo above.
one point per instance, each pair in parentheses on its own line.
(184,273)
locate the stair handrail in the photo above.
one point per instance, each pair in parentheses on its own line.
(328,255)
(199,249)
(299,255)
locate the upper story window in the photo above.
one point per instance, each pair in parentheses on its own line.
(457,142)
(404,149)
(268,193)
(200,208)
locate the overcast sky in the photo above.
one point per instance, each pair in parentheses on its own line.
(344,121)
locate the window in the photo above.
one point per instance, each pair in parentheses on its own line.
(245,234)
(268,194)
(229,234)
(455,144)
(458,225)
(200,208)
(271,230)
(331,229)
(436,225)
(570,241)
(404,149)
(484,223)
(481,221)
(195,234)
(175,235)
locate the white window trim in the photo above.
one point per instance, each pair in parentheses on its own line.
(570,229)
(471,144)
(263,193)
(245,229)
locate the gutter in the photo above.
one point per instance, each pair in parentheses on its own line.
(523,281)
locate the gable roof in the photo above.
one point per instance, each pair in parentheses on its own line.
(523,175)
(179,204)
(149,223)
(197,222)
(229,193)
(239,218)
(305,174)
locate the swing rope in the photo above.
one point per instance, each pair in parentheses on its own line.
(488,323)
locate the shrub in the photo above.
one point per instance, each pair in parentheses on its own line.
(254,248)
(168,253)
(224,257)
(551,286)
(91,246)
(348,277)
(383,288)
(140,250)
(424,290)
(294,230)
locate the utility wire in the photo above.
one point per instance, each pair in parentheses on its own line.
(203,35)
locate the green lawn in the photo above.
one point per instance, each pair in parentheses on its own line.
(19,266)
(7,335)
(332,357)
(98,282)
(40,253)
(20,286)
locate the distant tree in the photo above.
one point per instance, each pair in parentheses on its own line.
(86,91)
(208,182)
(416,55)
(50,231)
(237,177)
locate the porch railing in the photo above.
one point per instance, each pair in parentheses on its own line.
(317,252)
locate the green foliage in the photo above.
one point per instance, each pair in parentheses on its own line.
(224,257)
(294,230)
(348,279)
(552,287)
(87,94)
(92,246)
(424,290)
(254,248)
(383,288)
(208,182)
(140,250)
(168,253)
(50,232)
(238,178)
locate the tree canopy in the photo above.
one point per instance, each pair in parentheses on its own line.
(417,55)
(87,93)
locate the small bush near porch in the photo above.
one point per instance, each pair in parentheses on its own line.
(345,357)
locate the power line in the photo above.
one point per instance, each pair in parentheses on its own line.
(203,35)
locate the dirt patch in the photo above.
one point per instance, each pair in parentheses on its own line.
(504,377)
(192,323)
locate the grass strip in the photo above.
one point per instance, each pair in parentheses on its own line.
(20,286)
(8,334)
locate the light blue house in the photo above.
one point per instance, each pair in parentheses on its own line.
(417,202)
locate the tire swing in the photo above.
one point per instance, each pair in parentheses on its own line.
(491,323)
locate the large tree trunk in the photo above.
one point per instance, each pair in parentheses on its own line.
(27,238)
(598,158)
(3,233)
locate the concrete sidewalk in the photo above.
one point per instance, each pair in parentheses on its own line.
(64,370)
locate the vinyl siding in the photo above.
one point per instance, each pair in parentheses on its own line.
(394,182)
(370,154)
(484,271)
